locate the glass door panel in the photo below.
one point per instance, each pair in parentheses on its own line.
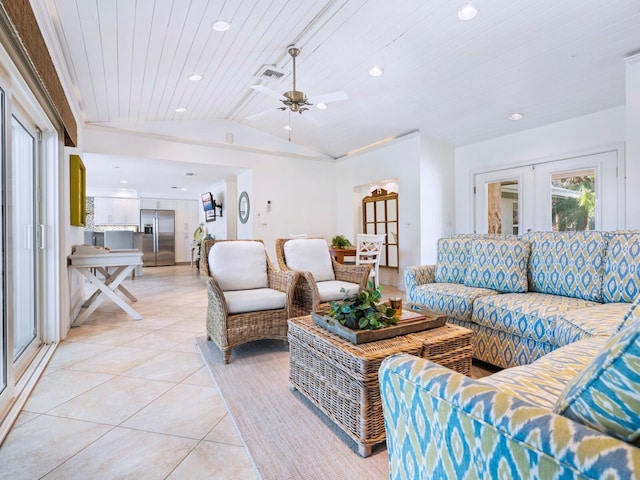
(24,247)
(499,201)
(3,315)
(573,201)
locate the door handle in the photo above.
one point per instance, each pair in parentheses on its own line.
(42,237)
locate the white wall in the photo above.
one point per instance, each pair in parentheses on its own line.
(563,139)
(422,169)
(633,141)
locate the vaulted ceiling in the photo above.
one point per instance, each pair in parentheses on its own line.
(456,81)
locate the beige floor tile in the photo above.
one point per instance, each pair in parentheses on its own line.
(37,447)
(188,345)
(225,432)
(115,360)
(60,387)
(125,453)
(196,326)
(168,366)
(118,335)
(69,353)
(114,401)
(151,322)
(24,417)
(84,331)
(201,377)
(213,461)
(160,340)
(185,410)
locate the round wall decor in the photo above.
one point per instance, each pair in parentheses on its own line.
(243,207)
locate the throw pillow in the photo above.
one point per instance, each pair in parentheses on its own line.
(606,394)
(310,255)
(451,263)
(621,267)
(239,265)
(500,265)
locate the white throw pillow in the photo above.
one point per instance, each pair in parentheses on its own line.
(239,265)
(310,255)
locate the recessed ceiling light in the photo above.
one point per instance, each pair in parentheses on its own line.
(181,109)
(221,26)
(183,189)
(516,116)
(288,127)
(467,12)
(322,106)
(196,77)
(124,181)
(376,71)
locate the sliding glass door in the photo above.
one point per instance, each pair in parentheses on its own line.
(24,246)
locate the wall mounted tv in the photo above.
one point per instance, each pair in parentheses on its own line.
(207,201)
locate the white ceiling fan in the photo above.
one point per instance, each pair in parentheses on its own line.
(295,100)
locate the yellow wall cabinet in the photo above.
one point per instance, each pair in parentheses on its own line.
(78,191)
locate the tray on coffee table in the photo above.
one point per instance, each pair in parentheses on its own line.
(411,321)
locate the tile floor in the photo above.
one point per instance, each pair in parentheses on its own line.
(130,399)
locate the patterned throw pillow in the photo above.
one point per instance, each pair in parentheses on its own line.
(606,394)
(621,281)
(499,265)
(451,262)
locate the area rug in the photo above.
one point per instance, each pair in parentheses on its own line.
(287,437)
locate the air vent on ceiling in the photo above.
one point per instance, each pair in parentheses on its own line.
(271,72)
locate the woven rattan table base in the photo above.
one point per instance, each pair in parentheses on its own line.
(341,378)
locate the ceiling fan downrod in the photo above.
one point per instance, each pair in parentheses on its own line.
(295,100)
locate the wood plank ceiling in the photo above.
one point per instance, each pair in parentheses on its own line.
(454,81)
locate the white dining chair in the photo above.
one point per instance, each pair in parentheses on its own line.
(368,251)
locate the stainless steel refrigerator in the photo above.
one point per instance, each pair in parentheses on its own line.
(158,237)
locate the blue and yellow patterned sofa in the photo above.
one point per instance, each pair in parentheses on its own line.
(526,296)
(571,414)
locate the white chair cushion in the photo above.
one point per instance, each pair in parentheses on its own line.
(310,255)
(330,290)
(239,265)
(258,299)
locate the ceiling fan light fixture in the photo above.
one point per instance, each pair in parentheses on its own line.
(288,128)
(376,71)
(322,106)
(516,116)
(467,12)
(221,26)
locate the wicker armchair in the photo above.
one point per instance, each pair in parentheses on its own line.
(307,296)
(237,315)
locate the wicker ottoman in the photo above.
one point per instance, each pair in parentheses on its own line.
(341,378)
(450,346)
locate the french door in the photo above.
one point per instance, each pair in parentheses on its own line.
(578,193)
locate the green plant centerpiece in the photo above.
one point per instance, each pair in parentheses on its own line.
(362,310)
(340,241)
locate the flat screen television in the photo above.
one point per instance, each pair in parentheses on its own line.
(207,201)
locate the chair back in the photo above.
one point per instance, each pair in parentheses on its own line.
(306,255)
(368,251)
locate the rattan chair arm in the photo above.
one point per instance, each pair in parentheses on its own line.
(216,296)
(358,274)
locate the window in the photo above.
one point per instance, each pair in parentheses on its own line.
(573,201)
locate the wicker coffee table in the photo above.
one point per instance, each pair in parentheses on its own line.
(341,378)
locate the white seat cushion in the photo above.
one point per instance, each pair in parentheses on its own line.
(310,255)
(258,299)
(330,290)
(239,265)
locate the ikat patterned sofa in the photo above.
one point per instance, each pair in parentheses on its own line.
(572,414)
(526,296)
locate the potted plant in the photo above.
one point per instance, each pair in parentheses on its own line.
(363,311)
(340,241)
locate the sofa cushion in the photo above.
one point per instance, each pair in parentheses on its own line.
(498,264)
(239,265)
(310,255)
(530,315)
(632,315)
(601,319)
(450,299)
(543,381)
(255,300)
(451,262)
(621,282)
(606,394)
(567,263)
(330,290)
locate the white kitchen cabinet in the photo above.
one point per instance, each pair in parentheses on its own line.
(158,203)
(186,221)
(116,211)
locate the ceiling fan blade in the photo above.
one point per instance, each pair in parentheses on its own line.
(258,115)
(268,91)
(329,97)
